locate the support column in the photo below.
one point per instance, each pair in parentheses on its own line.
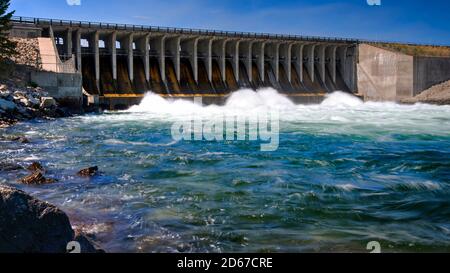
(78,49)
(146,55)
(309,51)
(158,44)
(286,53)
(206,48)
(113,50)
(248,52)
(321,56)
(342,53)
(192,48)
(130,53)
(232,49)
(297,52)
(331,55)
(68,43)
(260,51)
(235,62)
(174,48)
(352,55)
(276,60)
(219,47)
(95,47)
(51,33)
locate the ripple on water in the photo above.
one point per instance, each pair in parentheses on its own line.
(346,172)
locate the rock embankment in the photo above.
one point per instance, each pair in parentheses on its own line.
(28,225)
(25,103)
(27,52)
(438,94)
(21,99)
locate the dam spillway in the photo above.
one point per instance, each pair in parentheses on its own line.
(123,62)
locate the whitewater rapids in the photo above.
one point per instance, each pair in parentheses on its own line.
(343,112)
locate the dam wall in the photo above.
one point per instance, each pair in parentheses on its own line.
(429,71)
(118,64)
(64,87)
(386,75)
(120,61)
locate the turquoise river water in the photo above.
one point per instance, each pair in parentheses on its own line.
(344,173)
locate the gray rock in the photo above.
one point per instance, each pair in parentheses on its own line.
(33,102)
(8,167)
(5,94)
(37,178)
(7,105)
(47,103)
(28,225)
(88,172)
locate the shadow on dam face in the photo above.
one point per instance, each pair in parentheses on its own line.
(140,80)
(124,85)
(107,83)
(156,82)
(187,80)
(244,81)
(231,82)
(88,73)
(218,84)
(204,86)
(172,82)
(124,88)
(285,85)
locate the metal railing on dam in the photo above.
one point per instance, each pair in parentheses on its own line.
(175,30)
(190,31)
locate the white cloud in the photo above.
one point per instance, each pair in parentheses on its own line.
(73,2)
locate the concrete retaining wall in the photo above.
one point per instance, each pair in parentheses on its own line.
(64,87)
(385,75)
(430,71)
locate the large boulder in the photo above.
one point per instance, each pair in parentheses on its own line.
(7,105)
(28,225)
(48,103)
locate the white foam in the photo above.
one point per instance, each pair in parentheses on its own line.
(343,109)
(341,99)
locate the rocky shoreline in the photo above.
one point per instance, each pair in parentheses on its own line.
(26,103)
(437,95)
(28,225)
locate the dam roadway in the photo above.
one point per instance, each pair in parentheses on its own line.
(125,61)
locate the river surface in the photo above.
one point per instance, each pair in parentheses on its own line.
(343,174)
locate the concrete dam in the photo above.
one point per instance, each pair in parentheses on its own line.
(120,63)
(114,65)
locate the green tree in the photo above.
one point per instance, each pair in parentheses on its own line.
(7,47)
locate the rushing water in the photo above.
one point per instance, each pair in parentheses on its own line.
(345,173)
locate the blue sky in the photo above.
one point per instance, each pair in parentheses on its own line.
(419,21)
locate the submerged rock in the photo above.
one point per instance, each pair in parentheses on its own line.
(20,139)
(35,167)
(6,105)
(28,225)
(37,178)
(8,167)
(88,172)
